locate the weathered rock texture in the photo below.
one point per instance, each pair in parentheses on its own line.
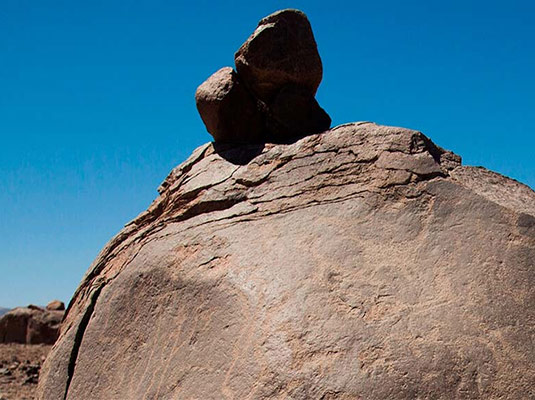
(30,325)
(363,263)
(271,97)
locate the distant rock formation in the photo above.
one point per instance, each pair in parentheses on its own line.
(32,324)
(362,263)
(56,305)
(271,96)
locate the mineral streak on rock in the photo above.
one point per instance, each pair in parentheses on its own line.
(362,263)
(271,97)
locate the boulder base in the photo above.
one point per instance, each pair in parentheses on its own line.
(363,263)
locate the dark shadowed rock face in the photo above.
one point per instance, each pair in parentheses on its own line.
(228,110)
(295,113)
(30,325)
(364,263)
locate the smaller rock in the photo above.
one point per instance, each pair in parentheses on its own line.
(56,305)
(228,110)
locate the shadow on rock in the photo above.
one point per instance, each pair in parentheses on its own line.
(238,154)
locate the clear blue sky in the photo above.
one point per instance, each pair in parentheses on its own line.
(97,104)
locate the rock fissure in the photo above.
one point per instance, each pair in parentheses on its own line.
(77,342)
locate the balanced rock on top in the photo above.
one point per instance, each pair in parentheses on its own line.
(281,51)
(271,96)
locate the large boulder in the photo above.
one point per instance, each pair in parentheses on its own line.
(30,325)
(363,263)
(281,51)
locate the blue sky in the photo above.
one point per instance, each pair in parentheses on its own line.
(97,104)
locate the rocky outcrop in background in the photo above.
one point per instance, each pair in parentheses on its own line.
(362,263)
(32,324)
(271,96)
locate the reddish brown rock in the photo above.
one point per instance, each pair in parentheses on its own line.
(30,325)
(282,51)
(56,305)
(228,110)
(363,263)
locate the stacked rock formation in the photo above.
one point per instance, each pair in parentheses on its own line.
(32,324)
(362,263)
(271,96)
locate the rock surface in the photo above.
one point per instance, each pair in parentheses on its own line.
(30,325)
(281,51)
(363,263)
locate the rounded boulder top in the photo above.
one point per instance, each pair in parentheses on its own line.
(56,305)
(281,51)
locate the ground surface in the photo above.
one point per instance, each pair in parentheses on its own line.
(19,369)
